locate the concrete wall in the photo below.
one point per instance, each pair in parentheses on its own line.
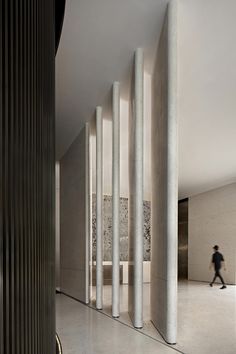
(212,220)
(165,182)
(74,243)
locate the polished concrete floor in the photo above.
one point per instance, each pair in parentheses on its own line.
(206,324)
(83,330)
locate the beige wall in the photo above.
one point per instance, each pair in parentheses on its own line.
(212,220)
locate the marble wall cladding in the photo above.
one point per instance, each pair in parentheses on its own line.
(212,221)
(107,214)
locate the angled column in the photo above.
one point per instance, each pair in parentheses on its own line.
(165,182)
(116,200)
(74,217)
(87,210)
(136,194)
(99,209)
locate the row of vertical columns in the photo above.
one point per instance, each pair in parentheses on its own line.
(135,199)
(99,209)
(136,194)
(116,199)
(164,191)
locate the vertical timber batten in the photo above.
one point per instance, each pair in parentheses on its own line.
(27,163)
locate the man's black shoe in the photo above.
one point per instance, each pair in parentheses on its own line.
(223,287)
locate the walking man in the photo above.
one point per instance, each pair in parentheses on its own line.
(217,261)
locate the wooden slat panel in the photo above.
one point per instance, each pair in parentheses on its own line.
(27,160)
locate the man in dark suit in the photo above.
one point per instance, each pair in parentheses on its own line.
(217,261)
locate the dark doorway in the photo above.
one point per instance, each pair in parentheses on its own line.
(183,239)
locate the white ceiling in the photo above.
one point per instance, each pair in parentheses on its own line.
(96,48)
(97,45)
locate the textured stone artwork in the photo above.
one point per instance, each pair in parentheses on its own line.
(107,228)
(147,231)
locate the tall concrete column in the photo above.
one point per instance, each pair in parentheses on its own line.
(116,200)
(136,194)
(99,209)
(87,210)
(92,168)
(57,224)
(165,182)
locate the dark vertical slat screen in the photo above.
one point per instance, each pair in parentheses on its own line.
(27,163)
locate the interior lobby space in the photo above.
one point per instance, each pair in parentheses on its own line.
(146,178)
(117,176)
(206,323)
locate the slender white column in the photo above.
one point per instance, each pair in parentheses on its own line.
(116,200)
(87,210)
(172,175)
(99,209)
(136,195)
(92,158)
